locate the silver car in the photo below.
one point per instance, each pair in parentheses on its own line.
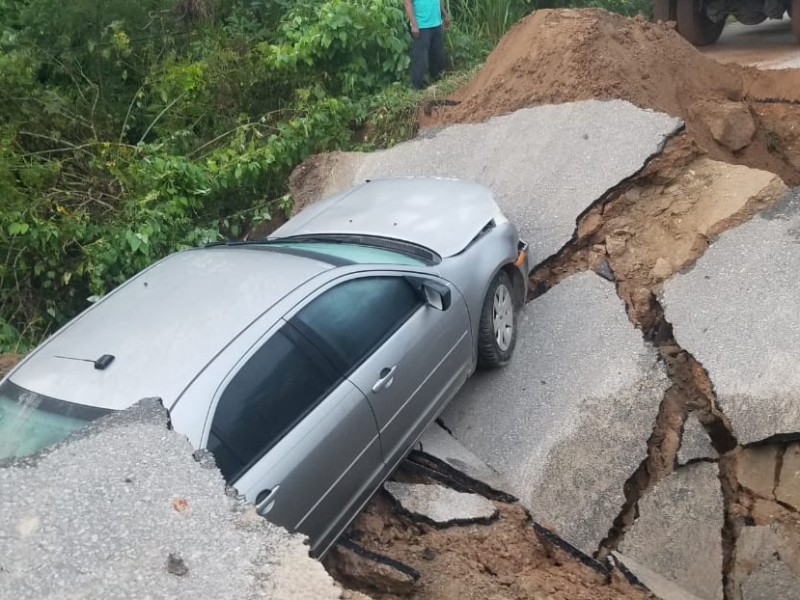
(308,363)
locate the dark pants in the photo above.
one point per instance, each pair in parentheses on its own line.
(428,49)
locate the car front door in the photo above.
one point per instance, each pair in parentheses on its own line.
(296,438)
(407,357)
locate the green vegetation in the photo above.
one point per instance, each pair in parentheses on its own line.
(129,130)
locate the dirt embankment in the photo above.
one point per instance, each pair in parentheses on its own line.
(556,56)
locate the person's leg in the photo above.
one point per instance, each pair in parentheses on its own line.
(437,60)
(419,57)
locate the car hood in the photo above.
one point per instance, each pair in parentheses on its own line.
(443,215)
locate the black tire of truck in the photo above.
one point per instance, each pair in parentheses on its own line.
(795,14)
(694,24)
(665,10)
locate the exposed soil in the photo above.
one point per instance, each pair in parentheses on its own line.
(556,56)
(506,559)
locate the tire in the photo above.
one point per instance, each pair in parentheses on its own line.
(497,333)
(695,26)
(665,10)
(750,18)
(795,13)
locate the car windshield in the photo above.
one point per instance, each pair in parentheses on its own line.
(31,421)
(353,252)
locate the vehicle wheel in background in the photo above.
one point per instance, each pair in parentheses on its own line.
(694,24)
(497,334)
(665,10)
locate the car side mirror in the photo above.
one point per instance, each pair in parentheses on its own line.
(437,295)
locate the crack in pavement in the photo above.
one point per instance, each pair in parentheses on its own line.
(602,239)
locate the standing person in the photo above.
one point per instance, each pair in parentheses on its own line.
(429,19)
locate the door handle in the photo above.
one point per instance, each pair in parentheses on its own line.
(386,379)
(266,500)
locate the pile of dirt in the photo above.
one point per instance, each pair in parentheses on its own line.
(556,56)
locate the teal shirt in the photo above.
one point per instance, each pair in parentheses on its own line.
(428,13)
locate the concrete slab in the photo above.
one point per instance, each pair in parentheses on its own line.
(736,312)
(439,444)
(662,588)
(768,563)
(124,511)
(523,158)
(678,532)
(566,422)
(439,505)
(695,443)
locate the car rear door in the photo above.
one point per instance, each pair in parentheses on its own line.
(406,357)
(295,437)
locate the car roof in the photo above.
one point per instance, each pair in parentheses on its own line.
(443,215)
(164,326)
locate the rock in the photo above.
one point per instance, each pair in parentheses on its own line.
(439,505)
(603,269)
(788,488)
(372,571)
(695,442)
(176,566)
(661,269)
(736,312)
(95,516)
(566,422)
(730,123)
(768,563)
(677,534)
(545,203)
(615,243)
(755,469)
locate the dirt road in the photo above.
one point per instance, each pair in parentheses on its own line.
(770,45)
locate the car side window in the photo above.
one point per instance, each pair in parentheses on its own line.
(352,319)
(274,390)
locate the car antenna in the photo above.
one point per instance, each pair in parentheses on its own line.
(100,364)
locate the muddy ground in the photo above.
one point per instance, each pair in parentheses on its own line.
(508,558)
(742,131)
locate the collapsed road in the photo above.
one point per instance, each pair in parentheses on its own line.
(627,443)
(644,440)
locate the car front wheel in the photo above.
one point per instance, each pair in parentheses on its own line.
(497,335)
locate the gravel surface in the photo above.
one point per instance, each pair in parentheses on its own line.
(737,312)
(123,510)
(546,164)
(567,421)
